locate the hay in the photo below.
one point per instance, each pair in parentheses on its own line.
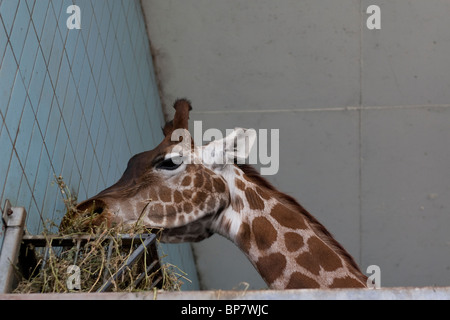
(97,260)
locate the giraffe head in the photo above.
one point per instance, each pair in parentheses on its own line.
(178,187)
(193,191)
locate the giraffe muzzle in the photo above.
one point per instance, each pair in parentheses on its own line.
(88,215)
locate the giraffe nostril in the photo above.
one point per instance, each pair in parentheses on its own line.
(93,206)
(98,210)
(87,215)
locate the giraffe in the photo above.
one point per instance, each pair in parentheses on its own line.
(191,201)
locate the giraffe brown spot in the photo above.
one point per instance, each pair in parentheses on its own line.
(202,206)
(300,281)
(265,233)
(263,194)
(165,194)
(254,201)
(186,181)
(207,185)
(347,282)
(243,237)
(219,185)
(177,196)
(187,194)
(309,262)
(271,267)
(211,203)
(181,220)
(171,212)
(288,218)
(236,171)
(239,184)
(329,260)
(237,203)
(156,213)
(187,207)
(153,195)
(198,181)
(293,241)
(319,256)
(199,198)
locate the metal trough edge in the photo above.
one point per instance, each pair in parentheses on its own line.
(402,293)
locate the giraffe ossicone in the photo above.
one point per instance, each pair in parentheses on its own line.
(197,191)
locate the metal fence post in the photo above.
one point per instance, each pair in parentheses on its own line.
(14,220)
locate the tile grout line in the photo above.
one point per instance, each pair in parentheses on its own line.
(332,109)
(360,111)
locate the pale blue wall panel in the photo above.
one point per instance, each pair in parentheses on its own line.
(75,103)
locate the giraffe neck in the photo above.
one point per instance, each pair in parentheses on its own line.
(287,246)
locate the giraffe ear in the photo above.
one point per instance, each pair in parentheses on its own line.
(239,144)
(235,147)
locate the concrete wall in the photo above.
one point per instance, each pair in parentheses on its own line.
(363,116)
(75,103)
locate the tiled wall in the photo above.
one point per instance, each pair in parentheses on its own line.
(76,103)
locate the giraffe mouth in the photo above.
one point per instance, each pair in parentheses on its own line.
(88,215)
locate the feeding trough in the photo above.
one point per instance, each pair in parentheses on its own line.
(106,260)
(89,263)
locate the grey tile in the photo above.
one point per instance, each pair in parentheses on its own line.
(257,54)
(405,195)
(407,61)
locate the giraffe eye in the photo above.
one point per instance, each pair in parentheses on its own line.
(170,164)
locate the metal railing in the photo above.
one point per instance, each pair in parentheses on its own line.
(19,253)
